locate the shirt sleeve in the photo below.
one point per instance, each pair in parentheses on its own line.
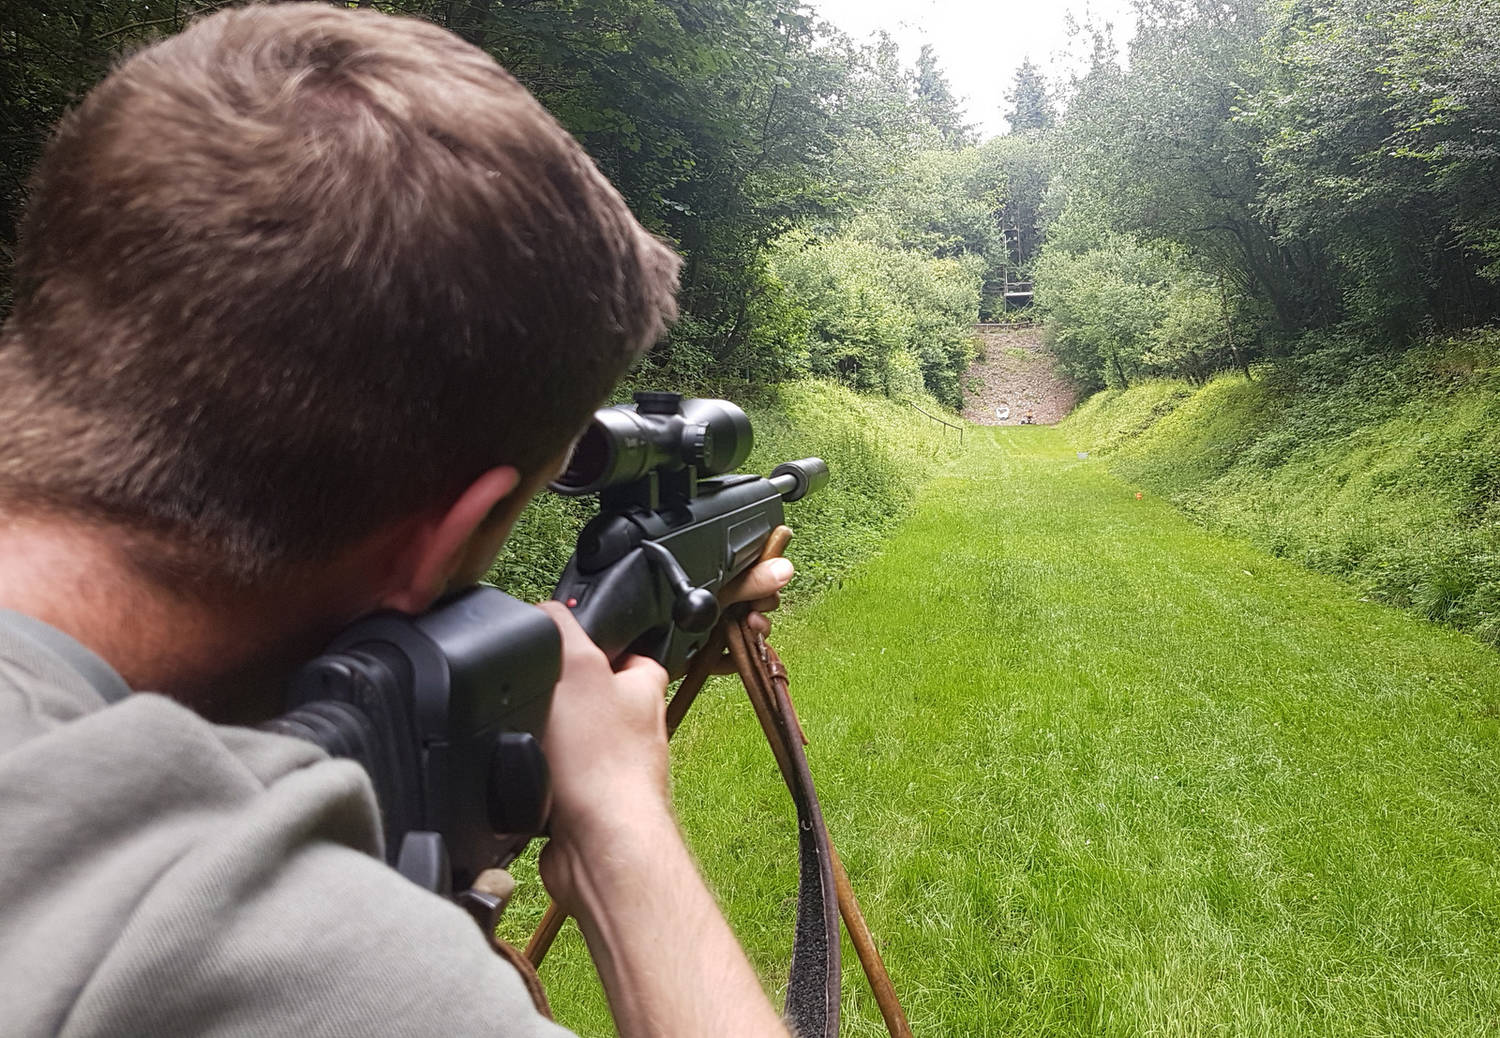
(269,924)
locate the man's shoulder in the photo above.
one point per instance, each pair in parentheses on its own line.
(85,765)
(110,809)
(267,930)
(167,875)
(47,679)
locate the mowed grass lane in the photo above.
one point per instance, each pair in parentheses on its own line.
(1094,770)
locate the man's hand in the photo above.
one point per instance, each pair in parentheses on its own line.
(616,861)
(606,739)
(760,587)
(606,746)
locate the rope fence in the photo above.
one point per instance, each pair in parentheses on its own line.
(935,418)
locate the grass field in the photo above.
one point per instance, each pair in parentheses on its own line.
(1095,770)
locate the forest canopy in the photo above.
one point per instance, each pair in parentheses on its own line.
(1249,178)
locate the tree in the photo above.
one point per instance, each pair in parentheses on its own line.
(1162,148)
(936,103)
(1104,308)
(1375,120)
(1016,169)
(1030,104)
(1332,159)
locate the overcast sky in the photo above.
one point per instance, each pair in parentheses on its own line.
(979,44)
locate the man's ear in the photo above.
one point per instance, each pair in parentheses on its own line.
(447,545)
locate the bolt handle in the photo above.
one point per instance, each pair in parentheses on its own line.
(694,609)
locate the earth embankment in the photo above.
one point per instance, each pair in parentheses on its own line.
(1015,374)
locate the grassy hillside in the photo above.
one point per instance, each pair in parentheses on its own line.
(1384,470)
(879,452)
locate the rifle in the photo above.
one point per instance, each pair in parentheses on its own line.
(446,710)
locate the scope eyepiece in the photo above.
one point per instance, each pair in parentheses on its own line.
(660,431)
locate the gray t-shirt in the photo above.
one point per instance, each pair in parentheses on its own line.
(160,875)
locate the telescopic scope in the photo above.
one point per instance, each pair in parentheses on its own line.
(660,431)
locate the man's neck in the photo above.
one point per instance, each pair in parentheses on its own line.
(225,654)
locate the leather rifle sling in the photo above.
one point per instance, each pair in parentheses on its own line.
(812,993)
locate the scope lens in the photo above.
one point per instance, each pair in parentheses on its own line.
(618,447)
(589,461)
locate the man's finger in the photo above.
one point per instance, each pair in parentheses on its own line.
(766,605)
(759,582)
(759,624)
(574,637)
(561,614)
(643,674)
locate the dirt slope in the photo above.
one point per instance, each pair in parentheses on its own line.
(1015,371)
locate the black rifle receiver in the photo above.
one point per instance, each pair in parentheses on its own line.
(446,710)
(672,530)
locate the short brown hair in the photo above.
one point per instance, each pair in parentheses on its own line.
(304,270)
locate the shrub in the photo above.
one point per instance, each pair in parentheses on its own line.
(868,310)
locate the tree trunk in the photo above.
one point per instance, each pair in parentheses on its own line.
(1239,358)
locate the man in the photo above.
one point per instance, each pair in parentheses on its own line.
(309,303)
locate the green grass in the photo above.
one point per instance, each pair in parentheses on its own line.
(1383,470)
(1096,770)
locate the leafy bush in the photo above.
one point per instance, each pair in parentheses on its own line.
(1380,468)
(1118,310)
(868,310)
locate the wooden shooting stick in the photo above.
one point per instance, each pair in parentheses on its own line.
(765,682)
